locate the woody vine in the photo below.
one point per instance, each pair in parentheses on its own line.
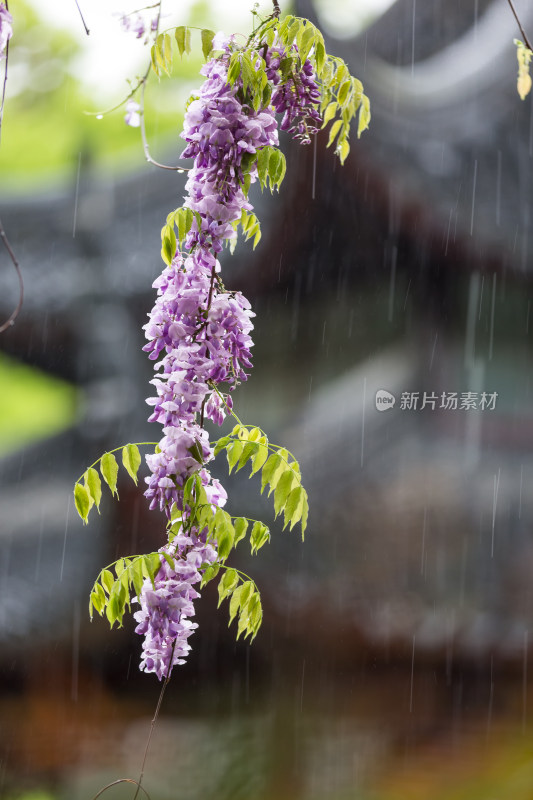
(199,332)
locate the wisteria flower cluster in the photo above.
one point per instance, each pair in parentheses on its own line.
(137,24)
(297,97)
(201,330)
(199,333)
(167,604)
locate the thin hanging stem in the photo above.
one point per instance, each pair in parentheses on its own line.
(82,19)
(522,31)
(277,9)
(143,127)
(121,780)
(12,317)
(152,726)
(145,140)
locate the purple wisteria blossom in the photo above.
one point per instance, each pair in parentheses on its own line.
(297,97)
(167,604)
(137,24)
(6,28)
(199,333)
(132,116)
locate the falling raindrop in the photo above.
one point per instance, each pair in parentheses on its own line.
(492,307)
(423,553)
(524,682)
(413,39)
(76,197)
(520,492)
(412,676)
(363,424)
(76,621)
(474,181)
(494,504)
(392,284)
(498,188)
(65,540)
(491,694)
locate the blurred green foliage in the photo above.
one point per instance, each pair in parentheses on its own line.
(33,405)
(46,126)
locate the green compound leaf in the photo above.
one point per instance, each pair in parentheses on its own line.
(234,453)
(344,91)
(263,157)
(248,451)
(259,536)
(151,564)
(131,458)
(278,472)
(227,584)
(168,244)
(224,533)
(179,35)
(167,53)
(221,444)
(334,130)
(272,466)
(306,38)
(107,580)
(277,168)
(260,456)
(524,55)
(82,501)
(184,219)
(343,149)
(294,507)
(188,40)
(93,485)
(250,616)
(240,527)
(320,54)
(137,575)
(364,115)
(282,490)
(207,37)
(109,470)
(234,69)
(329,113)
(239,599)
(170,561)
(209,573)
(97,600)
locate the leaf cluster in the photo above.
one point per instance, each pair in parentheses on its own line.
(111,593)
(342,99)
(279,471)
(221,527)
(88,487)
(342,94)
(271,169)
(245,602)
(180,220)
(161,52)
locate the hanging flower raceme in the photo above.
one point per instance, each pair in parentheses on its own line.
(219,131)
(167,604)
(199,333)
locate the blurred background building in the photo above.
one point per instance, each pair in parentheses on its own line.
(396,640)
